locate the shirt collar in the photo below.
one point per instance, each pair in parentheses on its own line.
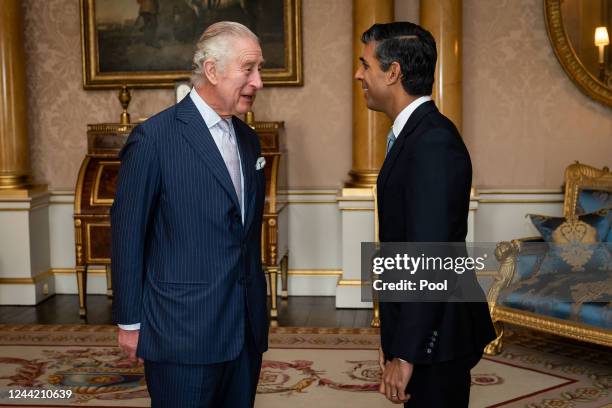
(211,118)
(404,115)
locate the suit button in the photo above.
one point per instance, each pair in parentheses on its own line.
(435,333)
(431,344)
(428,351)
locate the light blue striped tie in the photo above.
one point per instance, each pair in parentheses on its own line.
(390,140)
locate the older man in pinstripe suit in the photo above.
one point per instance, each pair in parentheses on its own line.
(190,294)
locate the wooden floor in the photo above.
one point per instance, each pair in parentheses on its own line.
(298,311)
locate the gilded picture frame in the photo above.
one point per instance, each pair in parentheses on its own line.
(575,69)
(150,43)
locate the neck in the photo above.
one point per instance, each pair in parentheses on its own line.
(209,94)
(399,103)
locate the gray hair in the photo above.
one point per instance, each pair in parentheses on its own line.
(213,44)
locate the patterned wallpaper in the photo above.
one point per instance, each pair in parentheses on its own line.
(317,116)
(524,120)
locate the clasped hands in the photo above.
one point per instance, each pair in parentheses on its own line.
(395,377)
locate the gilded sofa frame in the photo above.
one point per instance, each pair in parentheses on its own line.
(577,177)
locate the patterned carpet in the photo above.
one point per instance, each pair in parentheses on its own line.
(305,367)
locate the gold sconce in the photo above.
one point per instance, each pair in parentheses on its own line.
(601,40)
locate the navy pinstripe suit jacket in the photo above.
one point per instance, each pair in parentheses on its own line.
(183,264)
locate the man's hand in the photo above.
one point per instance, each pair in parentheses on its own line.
(128,341)
(381,360)
(395,378)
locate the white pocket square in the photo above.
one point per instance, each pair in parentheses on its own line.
(261,163)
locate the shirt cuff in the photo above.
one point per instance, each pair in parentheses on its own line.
(135,326)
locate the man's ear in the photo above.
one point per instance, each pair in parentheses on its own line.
(393,74)
(210,71)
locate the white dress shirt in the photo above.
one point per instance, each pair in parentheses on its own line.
(211,118)
(404,115)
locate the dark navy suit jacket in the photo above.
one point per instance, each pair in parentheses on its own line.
(183,263)
(424,196)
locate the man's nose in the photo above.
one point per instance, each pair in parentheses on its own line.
(256,81)
(358,74)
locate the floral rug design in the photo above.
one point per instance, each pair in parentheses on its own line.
(304,367)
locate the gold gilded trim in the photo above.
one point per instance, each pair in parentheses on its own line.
(573,330)
(69,271)
(307,192)
(26,281)
(79,189)
(273,180)
(89,259)
(311,202)
(518,201)
(519,192)
(566,55)
(356,209)
(290,74)
(579,177)
(349,282)
(315,272)
(96,201)
(339,199)
(357,192)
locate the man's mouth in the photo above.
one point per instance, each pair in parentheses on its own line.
(249,98)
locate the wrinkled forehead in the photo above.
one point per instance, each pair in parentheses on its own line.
(246,50)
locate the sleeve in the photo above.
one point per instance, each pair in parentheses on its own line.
(135,326)
(439,167)
(136,196)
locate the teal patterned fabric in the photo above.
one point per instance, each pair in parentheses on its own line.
(570,276)
(593,200)
(550,286)
(601,221)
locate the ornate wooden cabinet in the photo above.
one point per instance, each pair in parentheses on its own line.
(274,231)
(95,192)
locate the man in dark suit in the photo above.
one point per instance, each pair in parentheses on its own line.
(427,349)
(190,294)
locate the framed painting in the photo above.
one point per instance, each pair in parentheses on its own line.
(150,43)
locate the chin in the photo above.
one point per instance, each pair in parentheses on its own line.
(243,109)
(372,106)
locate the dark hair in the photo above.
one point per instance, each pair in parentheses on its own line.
(412,47)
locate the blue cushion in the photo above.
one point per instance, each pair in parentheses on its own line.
(586,228)
(593,200)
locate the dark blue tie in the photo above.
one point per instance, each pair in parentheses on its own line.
(390,140)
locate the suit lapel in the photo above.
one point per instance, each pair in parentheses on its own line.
(247,159)
(405,139)
(198,136)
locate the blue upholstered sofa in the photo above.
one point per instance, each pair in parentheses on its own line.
(561,282)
